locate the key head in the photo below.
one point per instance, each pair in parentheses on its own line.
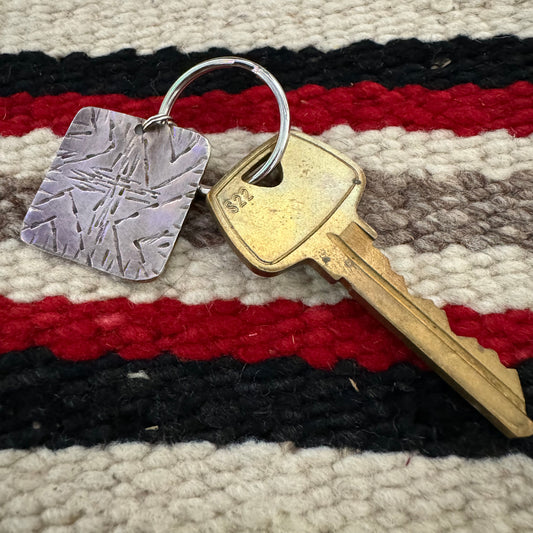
(273,228)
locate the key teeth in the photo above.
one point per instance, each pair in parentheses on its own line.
(380,264)
(508,375)
(489,357)
(492,360)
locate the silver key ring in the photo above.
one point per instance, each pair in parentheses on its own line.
(226,62)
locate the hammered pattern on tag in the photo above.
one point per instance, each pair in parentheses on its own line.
(115,197)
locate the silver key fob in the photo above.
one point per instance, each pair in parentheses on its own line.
(116,196)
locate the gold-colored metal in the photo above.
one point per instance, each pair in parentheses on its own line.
(310,216)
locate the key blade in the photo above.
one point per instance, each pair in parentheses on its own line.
(474,371)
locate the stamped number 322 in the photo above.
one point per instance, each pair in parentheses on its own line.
(238,200)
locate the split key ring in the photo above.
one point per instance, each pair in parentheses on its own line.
(227,62)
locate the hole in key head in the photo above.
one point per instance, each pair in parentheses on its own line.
(272,179)
(138,129)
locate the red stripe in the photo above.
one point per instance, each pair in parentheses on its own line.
(321,335)
(465,109)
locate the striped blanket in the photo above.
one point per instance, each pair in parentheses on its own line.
(212,399)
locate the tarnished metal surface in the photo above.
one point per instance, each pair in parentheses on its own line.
(311,216)
(115,197)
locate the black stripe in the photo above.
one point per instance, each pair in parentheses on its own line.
(490,63)
(48,402)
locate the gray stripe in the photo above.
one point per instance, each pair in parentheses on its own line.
(467,210)
(429,215)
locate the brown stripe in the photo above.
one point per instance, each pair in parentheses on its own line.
(429,215)
(466,209)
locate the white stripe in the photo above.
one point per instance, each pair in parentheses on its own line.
(260,487)
(59,27)
(440,153)
(496,279)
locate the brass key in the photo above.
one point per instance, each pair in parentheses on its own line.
(310,216)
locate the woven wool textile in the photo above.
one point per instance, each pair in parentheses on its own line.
(211,399)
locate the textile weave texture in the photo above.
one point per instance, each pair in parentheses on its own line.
(214,400)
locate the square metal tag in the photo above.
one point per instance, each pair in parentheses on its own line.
(115,197)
